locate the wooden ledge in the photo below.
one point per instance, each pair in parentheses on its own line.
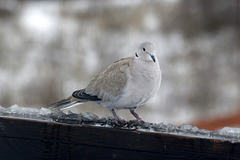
(33,139)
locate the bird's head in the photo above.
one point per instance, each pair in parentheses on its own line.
(146,52)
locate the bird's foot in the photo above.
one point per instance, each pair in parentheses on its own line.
(136,116)
(120,121)
(140,120)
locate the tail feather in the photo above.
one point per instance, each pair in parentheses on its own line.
(65,103)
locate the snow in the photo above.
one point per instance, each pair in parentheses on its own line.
(57,116)
(25,112)
(230,132)
(15,109)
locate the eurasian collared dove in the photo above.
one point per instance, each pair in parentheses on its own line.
(126,84)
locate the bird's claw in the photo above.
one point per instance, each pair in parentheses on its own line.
(120,121)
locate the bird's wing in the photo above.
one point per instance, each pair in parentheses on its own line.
(111,82)
(82,95)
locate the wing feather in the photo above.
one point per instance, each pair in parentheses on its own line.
(80,94)
(111,82)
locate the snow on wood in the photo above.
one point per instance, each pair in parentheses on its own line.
(39,133)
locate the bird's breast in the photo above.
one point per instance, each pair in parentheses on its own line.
(143,84)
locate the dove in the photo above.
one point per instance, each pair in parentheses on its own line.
(126,84)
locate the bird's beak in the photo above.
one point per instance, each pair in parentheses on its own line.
(153,58)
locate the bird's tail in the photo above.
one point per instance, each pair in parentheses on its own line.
(64,103)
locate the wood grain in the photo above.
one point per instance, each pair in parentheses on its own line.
(29,139)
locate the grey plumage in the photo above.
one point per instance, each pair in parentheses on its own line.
(126,84)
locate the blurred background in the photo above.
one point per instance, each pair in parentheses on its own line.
(48,49)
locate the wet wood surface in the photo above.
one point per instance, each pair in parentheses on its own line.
(30,139)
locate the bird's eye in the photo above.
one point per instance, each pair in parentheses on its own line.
(143,49)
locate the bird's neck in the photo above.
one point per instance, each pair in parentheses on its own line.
(146,68)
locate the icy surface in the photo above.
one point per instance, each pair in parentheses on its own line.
(25,112)
(230,132)
(227,133)
(15,109)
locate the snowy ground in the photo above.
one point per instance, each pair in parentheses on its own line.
(44,114)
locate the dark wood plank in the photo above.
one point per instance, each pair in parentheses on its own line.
(29,139)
